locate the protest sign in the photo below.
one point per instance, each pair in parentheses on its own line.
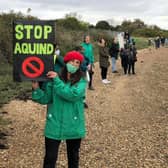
(33,49)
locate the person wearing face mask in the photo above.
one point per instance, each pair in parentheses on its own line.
(65,110)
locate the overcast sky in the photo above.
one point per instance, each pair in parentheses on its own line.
(152,12)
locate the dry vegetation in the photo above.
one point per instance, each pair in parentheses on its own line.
(127,121)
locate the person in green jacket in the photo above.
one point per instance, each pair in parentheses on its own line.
(88,54)
(65,111)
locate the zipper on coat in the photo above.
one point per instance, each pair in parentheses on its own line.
(61,121)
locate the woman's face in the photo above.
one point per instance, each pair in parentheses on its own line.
(87,39)
(75,63)
(115,40)
(103,41)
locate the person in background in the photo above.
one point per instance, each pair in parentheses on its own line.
(65,112)
(150,44)
(85,62)
(88,54)
(113,51)
(124,58)
(132,58)
(157,42)
(166,42)
(162,40)
(126,35)
(84,69)
(57,50)
(103,60)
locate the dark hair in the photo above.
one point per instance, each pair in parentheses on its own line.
(84,37)
(55,45)
(74,78)
(100,39)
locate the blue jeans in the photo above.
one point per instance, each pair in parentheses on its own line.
(113,60)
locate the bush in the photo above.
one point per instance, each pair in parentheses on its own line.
(141,42)
(72,23)
(103,25)
(6,25)
(10,90)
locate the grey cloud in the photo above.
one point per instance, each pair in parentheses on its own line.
(92,9)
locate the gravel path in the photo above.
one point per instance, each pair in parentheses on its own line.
(127,121)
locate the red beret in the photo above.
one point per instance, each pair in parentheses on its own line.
(73,55)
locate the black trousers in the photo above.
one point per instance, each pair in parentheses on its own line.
(131,66)
(91,76)
(51,152)
(103,73)
(125,67)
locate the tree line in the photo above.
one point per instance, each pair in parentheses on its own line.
(70,31)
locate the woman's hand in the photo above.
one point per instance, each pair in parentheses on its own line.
(89,67)
(35,85)
(52,74)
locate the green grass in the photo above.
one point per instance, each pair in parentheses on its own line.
(141,42)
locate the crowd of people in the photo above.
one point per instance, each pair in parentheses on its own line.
(157,42)
(65,93)
(127,53)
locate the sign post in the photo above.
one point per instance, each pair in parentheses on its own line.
(33,49)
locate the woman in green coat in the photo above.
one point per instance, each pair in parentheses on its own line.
(65,111)
(88,54)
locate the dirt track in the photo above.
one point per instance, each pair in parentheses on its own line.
(127,121)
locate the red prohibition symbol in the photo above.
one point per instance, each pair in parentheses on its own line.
(28,63)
